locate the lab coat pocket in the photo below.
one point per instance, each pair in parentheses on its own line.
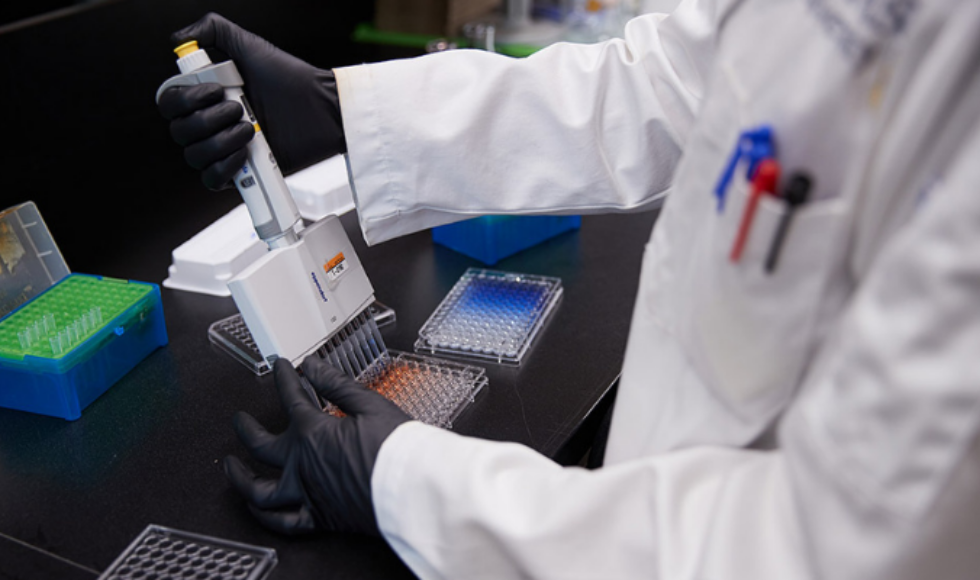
(750,331)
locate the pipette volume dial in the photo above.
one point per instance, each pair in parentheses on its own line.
(260,182)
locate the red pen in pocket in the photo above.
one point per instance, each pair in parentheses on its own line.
(763,183)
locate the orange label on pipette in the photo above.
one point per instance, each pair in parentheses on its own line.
(334,261)
(335,266)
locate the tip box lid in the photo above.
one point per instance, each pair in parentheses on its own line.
(30,261)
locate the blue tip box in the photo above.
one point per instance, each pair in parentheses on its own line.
(65,338)
(493,238)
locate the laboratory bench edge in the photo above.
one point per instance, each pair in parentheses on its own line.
(149,451)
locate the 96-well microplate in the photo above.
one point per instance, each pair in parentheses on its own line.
(160,552)
(430,390)
(490,315)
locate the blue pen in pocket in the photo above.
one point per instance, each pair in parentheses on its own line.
(753,146)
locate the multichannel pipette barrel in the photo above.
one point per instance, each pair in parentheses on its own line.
(260,182)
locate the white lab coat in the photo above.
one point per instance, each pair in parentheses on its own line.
(862,349)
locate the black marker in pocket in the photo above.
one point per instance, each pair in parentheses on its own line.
(796,194)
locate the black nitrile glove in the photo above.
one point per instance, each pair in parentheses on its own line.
(296,105)
(326,461)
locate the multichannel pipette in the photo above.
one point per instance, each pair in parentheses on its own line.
(309,292)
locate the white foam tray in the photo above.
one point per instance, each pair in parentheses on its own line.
(206,262)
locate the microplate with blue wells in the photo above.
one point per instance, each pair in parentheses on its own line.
(490,315)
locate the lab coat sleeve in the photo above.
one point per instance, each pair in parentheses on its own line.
(461,508)
(571,129)
(877,476)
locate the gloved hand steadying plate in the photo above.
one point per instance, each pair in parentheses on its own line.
(326,461)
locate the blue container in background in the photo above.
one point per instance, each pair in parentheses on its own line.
(62,382)
(493,238)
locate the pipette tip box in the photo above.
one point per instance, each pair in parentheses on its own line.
(490,239)
(490,315)
(65,338)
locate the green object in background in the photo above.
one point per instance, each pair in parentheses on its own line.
(367,33)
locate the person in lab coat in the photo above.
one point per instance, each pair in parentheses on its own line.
(859,349)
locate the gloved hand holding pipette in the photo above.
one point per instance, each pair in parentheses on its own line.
(326,461)
(298,102)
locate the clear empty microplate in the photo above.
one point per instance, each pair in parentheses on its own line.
(430,390)
(490,315)
(160,552)
(232,336)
